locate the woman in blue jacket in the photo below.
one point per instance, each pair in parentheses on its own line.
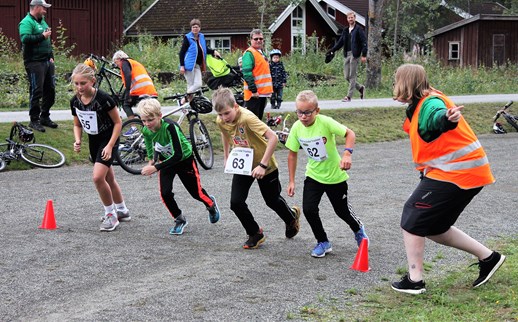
(192,56)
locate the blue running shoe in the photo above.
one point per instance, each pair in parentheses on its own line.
(179,224)
(360,235)
(321,249)
(214,211)
(132,130)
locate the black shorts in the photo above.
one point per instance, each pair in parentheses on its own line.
(96,143)
(434,207)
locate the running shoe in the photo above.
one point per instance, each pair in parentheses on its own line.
(488,267)
(110,223)
(214,213)
(360,235)
(255,240)
(406,285)
(179,224)
(321,249)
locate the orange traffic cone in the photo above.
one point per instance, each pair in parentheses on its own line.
(49,221)
(361,262)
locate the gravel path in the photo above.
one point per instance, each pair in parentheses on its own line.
(140,272)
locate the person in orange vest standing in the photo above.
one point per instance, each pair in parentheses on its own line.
(136,80)
(454,168)
(258,86)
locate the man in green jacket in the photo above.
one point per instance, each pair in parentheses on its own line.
(39,64)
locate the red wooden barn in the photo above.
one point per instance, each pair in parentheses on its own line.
(92,25)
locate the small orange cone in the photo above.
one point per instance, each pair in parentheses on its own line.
(361,262)
(49,221)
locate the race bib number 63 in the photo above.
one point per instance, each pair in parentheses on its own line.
(240,161)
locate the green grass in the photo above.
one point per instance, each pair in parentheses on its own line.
(449,297)
(369,124)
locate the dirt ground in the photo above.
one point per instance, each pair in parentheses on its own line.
(140,272)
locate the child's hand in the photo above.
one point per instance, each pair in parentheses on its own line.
(77,146)
(148,170)
(291,189)
(346,161)
(106,153)
(258,172)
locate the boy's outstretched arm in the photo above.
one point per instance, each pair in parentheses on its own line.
(292,168)
(346,161)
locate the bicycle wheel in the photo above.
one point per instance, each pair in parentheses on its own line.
(511,120)
(41,155)
(201,143)
(3,164)
(131,154)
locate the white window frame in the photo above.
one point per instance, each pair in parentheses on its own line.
(332,15)
(298,29)
(451,50)
(211,42)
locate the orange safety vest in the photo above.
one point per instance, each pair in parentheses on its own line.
(141,83)
(262,76)
(456,156)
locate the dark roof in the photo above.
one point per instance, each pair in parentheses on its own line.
(488,8)
(359,6)
(470,20)
(172,17)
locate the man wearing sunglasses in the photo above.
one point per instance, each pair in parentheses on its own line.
(256,72)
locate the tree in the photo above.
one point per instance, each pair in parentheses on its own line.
(133,9)
(374,43)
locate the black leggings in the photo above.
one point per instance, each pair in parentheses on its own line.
(270,190)
(337,194)
(187,171)
(257,105)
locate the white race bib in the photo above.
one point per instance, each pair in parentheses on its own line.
(314,148)
(240,161)
(88,121)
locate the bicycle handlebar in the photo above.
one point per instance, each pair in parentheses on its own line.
(506,106)
(179,96)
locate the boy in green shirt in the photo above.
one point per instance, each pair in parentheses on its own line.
(170,154)
(325,170)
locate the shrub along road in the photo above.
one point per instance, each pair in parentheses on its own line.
(140,272)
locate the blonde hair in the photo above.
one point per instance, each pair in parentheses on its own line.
(149,107)
(119,54)
(223,98)
(308,96)
(195,22)
(410,82)
(83,71)
(351,13)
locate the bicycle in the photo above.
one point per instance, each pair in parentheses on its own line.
(20,144)
(109,72)
(132,153)
(511,119)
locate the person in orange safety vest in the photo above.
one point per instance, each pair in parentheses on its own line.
(454,168)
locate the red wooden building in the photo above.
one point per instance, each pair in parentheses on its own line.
(94,26)
(482,40)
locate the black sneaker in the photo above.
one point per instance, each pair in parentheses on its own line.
(406,285)
(292,229)
(46,121)
(37,126)
(255,240)
(488,267)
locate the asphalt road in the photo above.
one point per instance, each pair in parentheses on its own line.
(141,273)
(59,115)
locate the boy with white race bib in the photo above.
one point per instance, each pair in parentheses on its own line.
(325,171)
(96,113)
(251,158)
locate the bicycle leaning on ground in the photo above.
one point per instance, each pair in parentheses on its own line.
(132,154)
(20,144)
(511,119)
(273,122)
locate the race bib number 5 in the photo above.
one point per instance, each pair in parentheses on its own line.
(88,121)
(240,161)
(314,148)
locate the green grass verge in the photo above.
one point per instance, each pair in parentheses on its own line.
(369,124)
(449,297)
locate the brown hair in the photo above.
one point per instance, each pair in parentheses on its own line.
(195,22)
(410,82)
(223,98)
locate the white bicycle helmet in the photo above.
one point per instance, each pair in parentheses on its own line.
(498,128)
(275,52)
